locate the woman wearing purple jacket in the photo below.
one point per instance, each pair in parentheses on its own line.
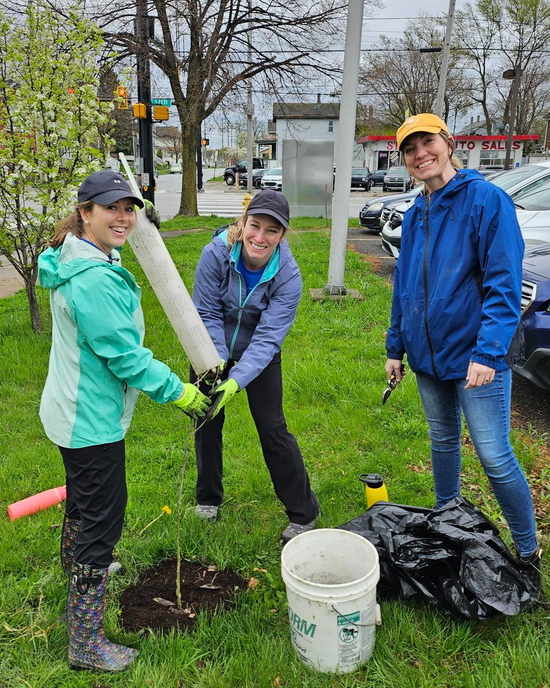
(247,289)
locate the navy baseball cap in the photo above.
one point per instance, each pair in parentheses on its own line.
(106,187)
(270,202)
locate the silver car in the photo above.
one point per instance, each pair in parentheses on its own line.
(273,179)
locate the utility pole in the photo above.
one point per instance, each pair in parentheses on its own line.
(199,161)
(144,30)
(514,74)
(344,154)
(249,110)
(445,60)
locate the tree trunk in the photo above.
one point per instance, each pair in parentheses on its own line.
(188,202)
(30,288)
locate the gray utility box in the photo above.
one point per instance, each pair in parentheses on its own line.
(308,168)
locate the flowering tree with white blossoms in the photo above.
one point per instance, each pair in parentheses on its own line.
(50,119)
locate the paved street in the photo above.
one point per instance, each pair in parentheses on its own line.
(220,199)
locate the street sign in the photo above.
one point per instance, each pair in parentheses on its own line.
(161,101)
(394,155)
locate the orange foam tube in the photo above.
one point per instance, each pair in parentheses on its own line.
(37,502)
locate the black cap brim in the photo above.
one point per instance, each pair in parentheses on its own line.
(109,197)
(271,213)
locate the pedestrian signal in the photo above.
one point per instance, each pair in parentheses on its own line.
(122,98)
(205,142)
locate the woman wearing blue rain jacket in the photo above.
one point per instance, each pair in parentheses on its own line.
(455,311)
(247,289)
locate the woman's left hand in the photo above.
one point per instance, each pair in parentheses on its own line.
(479,374)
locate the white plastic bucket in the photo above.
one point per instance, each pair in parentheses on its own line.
(330,577)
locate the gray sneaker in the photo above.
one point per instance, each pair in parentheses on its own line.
(294,529)
(207,512)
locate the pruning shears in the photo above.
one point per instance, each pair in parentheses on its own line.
(392,384)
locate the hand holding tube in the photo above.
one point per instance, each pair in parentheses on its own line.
(193,402)
(223,393)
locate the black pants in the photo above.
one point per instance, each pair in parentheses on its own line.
(280,449)
(96,496)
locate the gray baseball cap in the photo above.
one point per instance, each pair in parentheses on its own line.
(106,187)
(270,202)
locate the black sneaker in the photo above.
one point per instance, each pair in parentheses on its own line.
(531,568)
(294,529)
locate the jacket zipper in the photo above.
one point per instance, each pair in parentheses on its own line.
(241,309)
(425,267)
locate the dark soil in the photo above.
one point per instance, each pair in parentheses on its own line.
(152,603)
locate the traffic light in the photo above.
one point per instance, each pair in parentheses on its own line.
(160,112)
(205,142)
(140,111)
(122,98)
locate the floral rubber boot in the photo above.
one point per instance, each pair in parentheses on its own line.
(71,526)
(88,646)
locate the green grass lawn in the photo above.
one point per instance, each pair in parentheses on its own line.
(333,374)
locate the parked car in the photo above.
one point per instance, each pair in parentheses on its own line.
(256,178)
(377,177)
(518,178)
(489,170)
(360,178)
(535,318)
(391,231)
(533,211)
(273,179)
(369,216)
(176,168)
(398,179)
(230,174)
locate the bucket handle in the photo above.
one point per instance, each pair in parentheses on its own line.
(377,619)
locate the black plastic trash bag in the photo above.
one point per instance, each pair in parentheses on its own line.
(452,557)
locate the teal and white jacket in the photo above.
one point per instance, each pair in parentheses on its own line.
(97,360)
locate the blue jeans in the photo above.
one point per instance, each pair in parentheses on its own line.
(487,413)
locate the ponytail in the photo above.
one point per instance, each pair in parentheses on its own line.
(235,231)
(455,162)
(72,223)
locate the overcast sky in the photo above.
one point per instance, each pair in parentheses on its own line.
(389,20)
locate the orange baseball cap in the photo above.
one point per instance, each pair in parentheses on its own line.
(432,124)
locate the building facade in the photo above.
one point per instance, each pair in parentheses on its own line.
(473,151)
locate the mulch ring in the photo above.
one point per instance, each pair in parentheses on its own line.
(152,604)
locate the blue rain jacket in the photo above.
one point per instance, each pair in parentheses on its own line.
(248,328)
(457,285)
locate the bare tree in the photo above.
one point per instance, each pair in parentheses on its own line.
(517,34)
(201,47)
(172,140)
(404,78)
(475,39)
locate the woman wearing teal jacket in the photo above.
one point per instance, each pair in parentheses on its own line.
(97,366)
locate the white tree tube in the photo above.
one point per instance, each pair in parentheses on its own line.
(168,285)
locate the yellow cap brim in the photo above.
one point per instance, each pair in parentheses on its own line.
(415,130)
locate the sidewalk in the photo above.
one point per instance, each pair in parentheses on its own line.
(10,280)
